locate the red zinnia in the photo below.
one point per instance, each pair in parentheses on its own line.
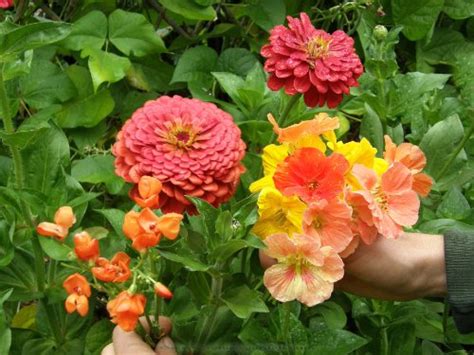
(192,147)
(5,4)
(311,175)
(305,60)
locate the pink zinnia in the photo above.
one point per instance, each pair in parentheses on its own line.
(391,201)
(192,147)
(330,221)
(305,60)
(5,4)
(304,271)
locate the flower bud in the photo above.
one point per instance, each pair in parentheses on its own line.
(162,291)
(380,32)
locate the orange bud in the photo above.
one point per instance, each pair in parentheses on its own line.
(86,247)
(48,229)
(162,291)
(65,217)
(169,224)
(125,309)
(146,192)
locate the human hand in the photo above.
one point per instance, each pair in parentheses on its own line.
(406,268)
(130,343)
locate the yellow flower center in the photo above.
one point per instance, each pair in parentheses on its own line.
(317,47)
(298,261)
(380,198)
(181,136)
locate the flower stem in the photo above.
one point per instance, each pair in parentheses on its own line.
(459,147)
(286,111)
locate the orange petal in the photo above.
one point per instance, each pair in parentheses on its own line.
(169,224)
(422,184)
(148,220)
(149,186)
(131,227)
(48,229)
(76,283)
(65,217)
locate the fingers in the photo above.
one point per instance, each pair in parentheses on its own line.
(129,343)
(165,324)
(108,350)
(265,260)
(165,347)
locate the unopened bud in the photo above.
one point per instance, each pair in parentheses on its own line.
(162,291)
(380,32)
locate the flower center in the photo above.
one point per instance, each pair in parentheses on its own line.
(313,185)
(181,136)
(380,198)
(316,224)
(317,47)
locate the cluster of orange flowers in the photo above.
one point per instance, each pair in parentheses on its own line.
(144,228)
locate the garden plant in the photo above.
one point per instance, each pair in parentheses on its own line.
(153,152)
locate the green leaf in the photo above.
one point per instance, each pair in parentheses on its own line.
(88,108)
(458,9)
(224,225)
(195,64)
(428,348)
(115,218)
(416,16)
(440,141)
(5,332)
(231,84)
(46,85)
(54,249)
(98,336)
(335,342)
(186,260)
(7,250)
(105,67)
(402,338)
(207,218)
(333,314)
(25,318)
(454,205)
(443,46)
(21,277)
(226,250)
(267,13)
(133,35)
(244,301)
(98,169)
(19,66)
(189,9)
(31,36)
(438,226)
(239,61)
(89,31)
(371,128)
(44,160)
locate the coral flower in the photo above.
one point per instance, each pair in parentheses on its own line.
(86,247)
(303,59)
(414,159)
(390,199)
(146,193)
(330,221)
(78,290)
(162,291)
(315,127)
(5,4)
(278,213)
(145,228)
(114,270)
(311,175)
(362,223)
(125,309)
(304,270)
(63,220)
(192,147)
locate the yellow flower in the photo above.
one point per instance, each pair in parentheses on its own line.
(278,213)
(272,156)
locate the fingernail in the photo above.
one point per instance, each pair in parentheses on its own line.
(167,342)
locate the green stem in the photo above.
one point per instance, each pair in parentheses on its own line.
(207,328)
(284,115)
(459,147)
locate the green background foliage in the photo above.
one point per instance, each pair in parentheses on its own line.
(74,71)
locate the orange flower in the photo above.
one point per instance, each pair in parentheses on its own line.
(414,159)
(362,224)
(145,228)
(162,291)
(125,309)
(146,192)
(330,221)
(78,290)
(311,175)
(63,220)
(390,200)
(86,247)
(320,124)
(115,270)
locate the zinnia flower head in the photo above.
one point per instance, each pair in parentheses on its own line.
(311,175)
(125,309)
(304,271)
(390,199)
(414,159)
(330,221)
(191,146)
(5,4)
(78,290)
(303,59)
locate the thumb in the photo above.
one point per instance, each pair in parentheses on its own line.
(129,343)
(165,347)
